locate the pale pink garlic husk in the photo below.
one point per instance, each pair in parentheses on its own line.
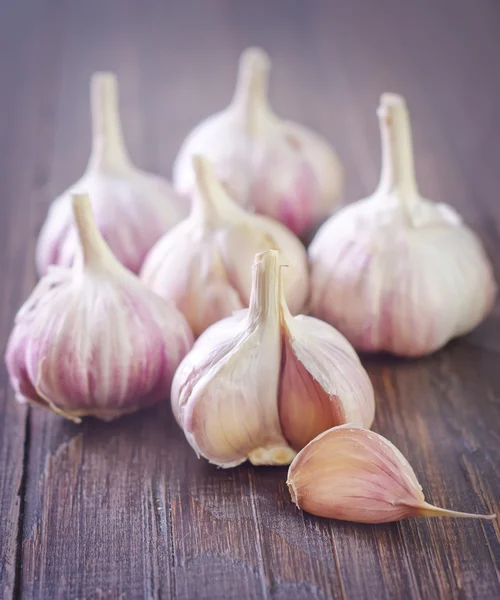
(396,272)
(229,394)
(279,168)
(95,341)
(132,208)
(132,212)
(390,287)
(352,474)
(204,264)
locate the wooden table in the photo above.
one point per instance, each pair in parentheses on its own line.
(126,510)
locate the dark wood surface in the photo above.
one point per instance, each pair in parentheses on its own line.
(125,510)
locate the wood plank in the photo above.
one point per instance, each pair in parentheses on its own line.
(435,558)
(25,61)
(97,519)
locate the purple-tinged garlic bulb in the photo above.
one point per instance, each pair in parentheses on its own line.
(279,168)
(261,384)
(396,272)
(352,474)
(93,340)
(204,264)
(132,208)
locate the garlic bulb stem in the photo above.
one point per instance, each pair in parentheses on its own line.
(108,147)
(250,95)
(398,172)
(96,252)
(209,201)
(266,288)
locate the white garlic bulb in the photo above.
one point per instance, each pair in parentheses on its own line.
(396,272)
(204,264)
(279,168)
(132,208)
(93,340)
(261,384)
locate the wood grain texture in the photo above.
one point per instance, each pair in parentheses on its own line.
(126,510)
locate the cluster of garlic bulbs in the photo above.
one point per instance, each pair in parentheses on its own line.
(279,168)
(263,382)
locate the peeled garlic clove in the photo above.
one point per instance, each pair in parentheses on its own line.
(204,264)
(93,340)
(132,208)
(352,474)
(396,272)
(280,168)
(261,384)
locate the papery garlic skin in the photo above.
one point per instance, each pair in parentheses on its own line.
(204,264)
(93,340)
(352,474)
(396,272)
(248,388)
(132,208)
(279,168)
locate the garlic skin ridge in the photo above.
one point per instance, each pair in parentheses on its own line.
(396,272)
(260,384)
(352,474)
(132,208)
(204,264)
(93,340)
(279,168)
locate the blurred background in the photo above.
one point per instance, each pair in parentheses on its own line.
(176,63)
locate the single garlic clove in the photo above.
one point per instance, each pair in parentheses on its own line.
(280,168)
(94,340)
(322,383)
(204,264)
(261,384)
(352,474)
(132,208)
(396,272)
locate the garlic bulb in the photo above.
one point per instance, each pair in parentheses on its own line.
(93,340)
(204,264)
(132,208)
(396,272)
(352,474)
(281,169)
(261,384)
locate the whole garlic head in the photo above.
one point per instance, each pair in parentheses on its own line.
(261,384)
(204,264)
(280,168)
(132,208)
(93,340)
(396,272)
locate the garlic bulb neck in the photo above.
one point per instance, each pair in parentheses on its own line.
(251,94)
(266,288)
(398,172)
(96,253)
(210,202)
(108,147)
